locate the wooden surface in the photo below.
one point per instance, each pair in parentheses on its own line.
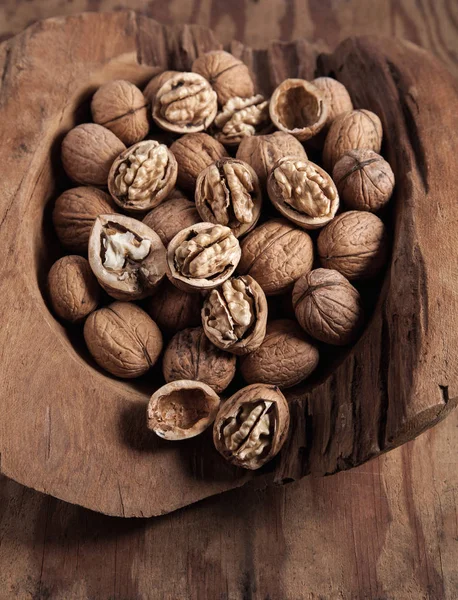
(388,529)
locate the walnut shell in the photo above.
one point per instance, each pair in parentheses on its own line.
(73,288)
(336,97)
(355,244)
(191,355)
(276,254)
(88,152)
(328,307)
(182,409)
(252,426)
(227,75)
(155,84)
(194,152)
(240,118)
(173,215)
(285,357)
(364,179)
(349,131)
(234,316)
(127,257)
(74,215)
(123,339)
(121,107)
(299,108)
(228,193)
(174,309)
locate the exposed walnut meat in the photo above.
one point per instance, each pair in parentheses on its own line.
(240,118)
(170,217)
(156,83)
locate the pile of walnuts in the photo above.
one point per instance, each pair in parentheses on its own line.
(185,240)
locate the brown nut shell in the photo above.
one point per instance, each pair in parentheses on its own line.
(174,309)
(191,355)
(328,307)
(123,339)
(355,244)
(240,118)
(155,83)
(286,356)
(252,426)
(182,409)
(127,257)
(173,215)
(336,97)
(73,288)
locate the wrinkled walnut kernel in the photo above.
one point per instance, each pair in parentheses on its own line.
(240,118)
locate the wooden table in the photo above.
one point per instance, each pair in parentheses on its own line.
(386,530)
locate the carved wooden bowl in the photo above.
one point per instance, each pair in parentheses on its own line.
(70,430)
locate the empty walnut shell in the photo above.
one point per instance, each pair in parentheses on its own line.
(174,309)
(127,257)
(156,83)
(303,192)
(336,97)
(276,254)
(252,426)
(123,339)
(191,355)
(285,357)
(240,118)
(328,307)
(173,215)
(182,409)
(299,108)
(234,316)
(202,257)
(228,193)
(355,244)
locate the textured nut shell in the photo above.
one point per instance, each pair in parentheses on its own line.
(191,355)
(182,409)
(121,107)
(352,130)
(75,212)
(174,309)
(73,288)
(276,254)
(286,356)
(173,215)
(250,395)
(193,153)
(123,339)
(227,75)
(355,244)
(328,307)
(88,152)
(335,95)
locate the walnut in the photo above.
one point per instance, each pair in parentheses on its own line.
(364,179)
(328,307)
(285,357)
(126,256)
(240,118)
(303,192)
(88,152)
(336,97)
(261,152)
(191,355)
(299,108)
(355,244)
(121,107)
(252,426)
(276,254)
(123,339)
(142,176)
(74,215)
(350,131)
(182,409)
(227,75)
(172,216)
(185,103)
(202,257)
(156,83)
(234,316)
(73,289)
(228,193)
(174,309)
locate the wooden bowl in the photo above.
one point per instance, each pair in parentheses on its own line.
(70,430)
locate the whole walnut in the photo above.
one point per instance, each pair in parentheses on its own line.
(328,307)
(285,357)
(88,152)
(193,153)
(335,95)
(155,83)
(364,179)
(276,254)
(174,309)
(191,355)
(73,288)
(173,215)
(75,212)
(123,339)
(355,244)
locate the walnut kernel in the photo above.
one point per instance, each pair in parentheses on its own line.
(240,118)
